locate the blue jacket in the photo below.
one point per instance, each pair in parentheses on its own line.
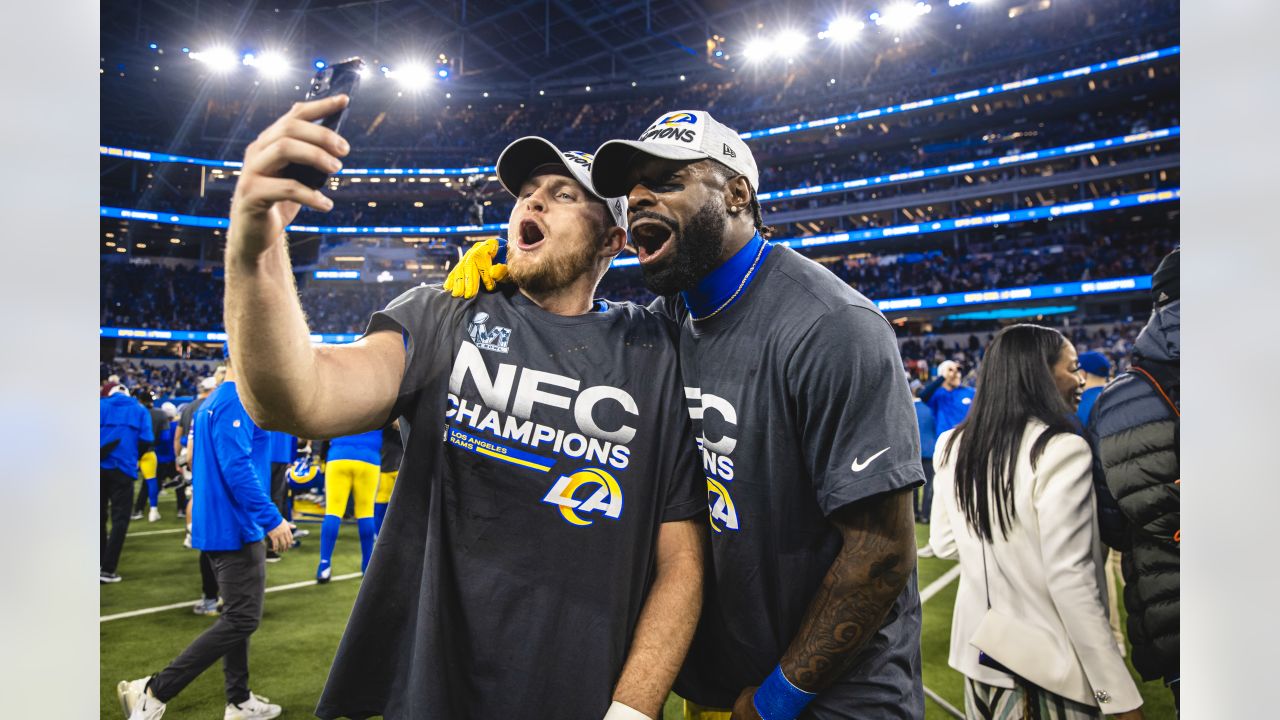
(1087,399)
(231,475)
(365,447)
(924,419)
(950,407)
(123,420)
(283,446)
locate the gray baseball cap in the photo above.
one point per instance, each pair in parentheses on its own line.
(678,135)
(518,161)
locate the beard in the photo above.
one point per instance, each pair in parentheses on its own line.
(548,270)
(697,252)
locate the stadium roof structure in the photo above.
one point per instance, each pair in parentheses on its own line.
(500,45)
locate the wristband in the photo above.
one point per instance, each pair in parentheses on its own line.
(618,711)
(778,699)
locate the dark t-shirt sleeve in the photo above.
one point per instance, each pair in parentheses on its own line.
(416,315)
(858,429)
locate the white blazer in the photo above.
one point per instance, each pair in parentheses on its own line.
(1048,572)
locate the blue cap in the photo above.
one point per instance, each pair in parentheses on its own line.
(1095,363)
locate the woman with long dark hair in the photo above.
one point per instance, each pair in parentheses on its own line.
(1014,500)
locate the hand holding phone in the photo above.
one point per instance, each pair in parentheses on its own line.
(288,162)
(340,79)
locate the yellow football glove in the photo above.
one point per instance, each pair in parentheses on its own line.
(476,267)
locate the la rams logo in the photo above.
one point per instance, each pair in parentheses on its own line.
(679,117)
(602,495)
(721,506)
(302,471)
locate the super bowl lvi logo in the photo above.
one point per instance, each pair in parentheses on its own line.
(587,491)
(494,339)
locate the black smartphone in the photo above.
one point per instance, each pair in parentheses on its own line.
(339,79)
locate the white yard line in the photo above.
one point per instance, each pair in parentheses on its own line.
(155,532)
(188,604)
(948,707)
(936,586)
(929,591)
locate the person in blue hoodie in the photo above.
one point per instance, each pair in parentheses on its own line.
(928,436)
(946,397)
(351,470)
(232,514)
(1097,371)
(124,436)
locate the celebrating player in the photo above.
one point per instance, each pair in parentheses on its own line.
(542,558)
(808,438)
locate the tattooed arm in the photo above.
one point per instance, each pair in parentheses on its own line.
(866,578)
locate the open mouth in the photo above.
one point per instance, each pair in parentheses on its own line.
(652,239)
(530,236)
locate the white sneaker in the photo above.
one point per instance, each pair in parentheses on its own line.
(137,703)
(255,708)
(154,515)
(925,552)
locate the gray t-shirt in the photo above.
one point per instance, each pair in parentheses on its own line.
(543,454)
(801,407)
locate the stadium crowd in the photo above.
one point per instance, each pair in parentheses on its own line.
(185,298)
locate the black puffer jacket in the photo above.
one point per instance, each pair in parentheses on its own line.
(1137,435)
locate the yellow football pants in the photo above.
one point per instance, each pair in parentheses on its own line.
(345,478)
(386,483)
(147,465)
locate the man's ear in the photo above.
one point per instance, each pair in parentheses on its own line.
(615,238)
(737,194)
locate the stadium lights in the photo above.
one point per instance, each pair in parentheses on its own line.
(758,49)
(411,77)
(901,15)
(789,43)
(842,30)
(319,64)
(218,59)
(272,65)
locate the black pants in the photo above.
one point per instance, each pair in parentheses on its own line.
(924,499)
(279,485)
(117,494)
(208,578)
(242,580)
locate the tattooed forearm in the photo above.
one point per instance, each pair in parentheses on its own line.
(860,588)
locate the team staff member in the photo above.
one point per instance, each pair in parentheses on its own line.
(350,471)
(809,441)
(124,434)
(392,455)
(534,414)
(232,515)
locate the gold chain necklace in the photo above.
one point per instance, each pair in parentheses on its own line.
(750,270)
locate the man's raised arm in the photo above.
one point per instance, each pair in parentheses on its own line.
(287,383)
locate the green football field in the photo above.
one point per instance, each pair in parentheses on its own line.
(301,626)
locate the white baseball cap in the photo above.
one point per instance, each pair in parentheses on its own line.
(518,161)
(678,135)
(208,383)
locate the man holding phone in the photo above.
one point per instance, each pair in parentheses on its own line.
(233,514)
(511,578)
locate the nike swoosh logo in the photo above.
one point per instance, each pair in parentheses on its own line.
(860,466)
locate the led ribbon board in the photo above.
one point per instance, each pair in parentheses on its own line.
(851,236)
(959,299)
